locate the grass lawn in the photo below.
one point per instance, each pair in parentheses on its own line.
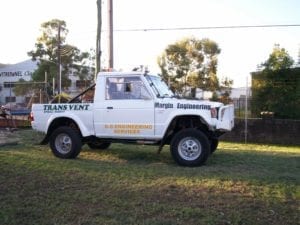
(132,184)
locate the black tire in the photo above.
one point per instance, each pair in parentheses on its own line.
(190,147)
(99,145)
(65,143)
(213,145)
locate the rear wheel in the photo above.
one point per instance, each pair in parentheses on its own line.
(65,143)
(190,147)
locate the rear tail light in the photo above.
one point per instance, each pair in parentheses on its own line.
(31,118)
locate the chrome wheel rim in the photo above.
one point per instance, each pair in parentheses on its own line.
(63,143)
(189,148)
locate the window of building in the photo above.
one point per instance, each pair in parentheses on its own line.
(9,84)
(10,99)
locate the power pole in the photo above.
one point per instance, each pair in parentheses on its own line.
(59,60)
(111,35)
(98,39)
(298,61)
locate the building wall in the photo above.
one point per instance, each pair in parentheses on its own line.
(23,70)
(12,73)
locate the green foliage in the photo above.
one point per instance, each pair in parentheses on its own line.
(275,89)
(190,63)
(214,97)
(277,92)
(21,88)
(278,59)
(47,43)
(225,88)
(47,53)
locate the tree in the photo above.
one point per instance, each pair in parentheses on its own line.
(190,63)
(225,89)
(51,51)
(275,88)
(278,59)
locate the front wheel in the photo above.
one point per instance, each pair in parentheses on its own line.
(65,143)
(190,147)
(213,145)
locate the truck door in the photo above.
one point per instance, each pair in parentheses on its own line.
(127,111)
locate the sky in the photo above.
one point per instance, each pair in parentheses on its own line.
(241,49)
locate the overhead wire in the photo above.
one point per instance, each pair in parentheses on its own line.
(197,28)
(210,27)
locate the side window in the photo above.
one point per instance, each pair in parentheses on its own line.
(126,88)
(113,89)
(139,91)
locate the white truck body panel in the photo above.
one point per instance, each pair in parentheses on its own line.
(45,114)
(124,119)
(226,118)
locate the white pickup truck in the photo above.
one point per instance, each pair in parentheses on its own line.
(133,107)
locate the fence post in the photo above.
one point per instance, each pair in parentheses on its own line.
(246,111)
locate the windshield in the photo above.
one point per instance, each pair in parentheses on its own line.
(159,86)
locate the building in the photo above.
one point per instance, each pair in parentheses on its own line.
(11,74)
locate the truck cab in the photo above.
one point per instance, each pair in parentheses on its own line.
(125,107)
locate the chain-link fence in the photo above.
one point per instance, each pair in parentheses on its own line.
(242,107)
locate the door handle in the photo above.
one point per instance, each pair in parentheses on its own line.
(109,107)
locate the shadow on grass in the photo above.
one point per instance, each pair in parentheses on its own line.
(223,164)
(138,154)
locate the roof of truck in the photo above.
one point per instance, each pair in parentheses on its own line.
(120,73)
(123,73)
